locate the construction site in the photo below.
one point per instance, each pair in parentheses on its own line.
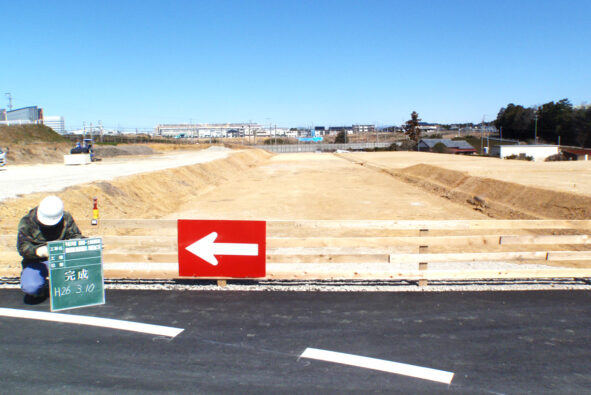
(409,216)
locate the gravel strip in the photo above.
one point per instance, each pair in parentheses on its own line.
(338,286)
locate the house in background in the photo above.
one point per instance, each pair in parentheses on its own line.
(452,146)
(537,152)
(576,153)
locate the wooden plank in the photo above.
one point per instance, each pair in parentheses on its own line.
(569,255)
(140,242)
(468,257)
(293,258)
(169,270)
(375,224)
(547,239)
(442,224)
(282,271)
(109,257)
(315,242)
(138,223)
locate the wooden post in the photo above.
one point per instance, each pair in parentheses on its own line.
(423,249)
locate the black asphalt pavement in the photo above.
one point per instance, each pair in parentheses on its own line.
(250,342)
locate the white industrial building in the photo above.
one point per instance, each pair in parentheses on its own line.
(206,130)
(56,122)
(538,152)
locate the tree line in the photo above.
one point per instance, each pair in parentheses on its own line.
(553,122)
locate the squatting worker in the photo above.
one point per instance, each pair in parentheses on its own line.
(44,223)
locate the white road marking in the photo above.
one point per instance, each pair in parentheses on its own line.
(379,364)
(93,321)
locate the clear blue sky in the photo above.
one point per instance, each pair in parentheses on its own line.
(292,63)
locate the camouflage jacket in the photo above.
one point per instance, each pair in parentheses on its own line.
(32,235)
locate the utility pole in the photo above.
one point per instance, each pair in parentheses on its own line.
(536,128)
(9,101)
(377,135)
(482,135)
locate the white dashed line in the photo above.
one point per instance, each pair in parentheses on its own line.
(92,321)
(379,364)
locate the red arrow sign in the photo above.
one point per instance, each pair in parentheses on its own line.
(216,248)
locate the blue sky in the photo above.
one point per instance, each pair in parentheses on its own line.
(134,64)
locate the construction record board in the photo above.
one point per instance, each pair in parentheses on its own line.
(76,273)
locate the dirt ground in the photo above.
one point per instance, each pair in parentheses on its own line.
(499,188)
(568,176)
(319,186)
(253,184)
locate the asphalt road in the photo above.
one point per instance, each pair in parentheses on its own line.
(25,179)
(251,342)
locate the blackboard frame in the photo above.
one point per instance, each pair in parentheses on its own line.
(76,277)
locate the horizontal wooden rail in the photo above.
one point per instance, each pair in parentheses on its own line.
(361,249)
(375,224)
(550,239)
(492,256)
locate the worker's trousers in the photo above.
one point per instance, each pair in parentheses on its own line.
(34,278)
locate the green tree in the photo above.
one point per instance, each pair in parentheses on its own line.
(556,119)
(517,122)
(341,138)
(440,148)
(411,127)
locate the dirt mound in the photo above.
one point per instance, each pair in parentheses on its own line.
(21,134)
(109,151)
(148,195)
(497,199)
(34,153)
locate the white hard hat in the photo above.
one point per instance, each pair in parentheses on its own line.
(50,211)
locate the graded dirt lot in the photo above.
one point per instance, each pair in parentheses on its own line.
(568,176)
(253,184)
(319,186)
(499,188)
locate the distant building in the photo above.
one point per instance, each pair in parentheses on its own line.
(428,128)
(23,115)
(576,153)
(320,131)
(32,114)
(334,130)
(453,146)
(363,128)
(205,130)
(56,123)
(538,152)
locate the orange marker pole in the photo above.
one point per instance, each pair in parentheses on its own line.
(95,213)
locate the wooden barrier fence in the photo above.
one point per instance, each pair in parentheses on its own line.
(373,249)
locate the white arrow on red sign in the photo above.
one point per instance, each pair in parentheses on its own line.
(206,249)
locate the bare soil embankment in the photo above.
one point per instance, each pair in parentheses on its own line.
(498,199)
(148,195)
(500,189)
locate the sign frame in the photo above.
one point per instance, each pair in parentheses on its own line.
(222,249)
(75,271)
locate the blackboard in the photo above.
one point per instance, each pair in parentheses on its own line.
(76,273)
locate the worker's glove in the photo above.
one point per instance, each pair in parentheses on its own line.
(42,252)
